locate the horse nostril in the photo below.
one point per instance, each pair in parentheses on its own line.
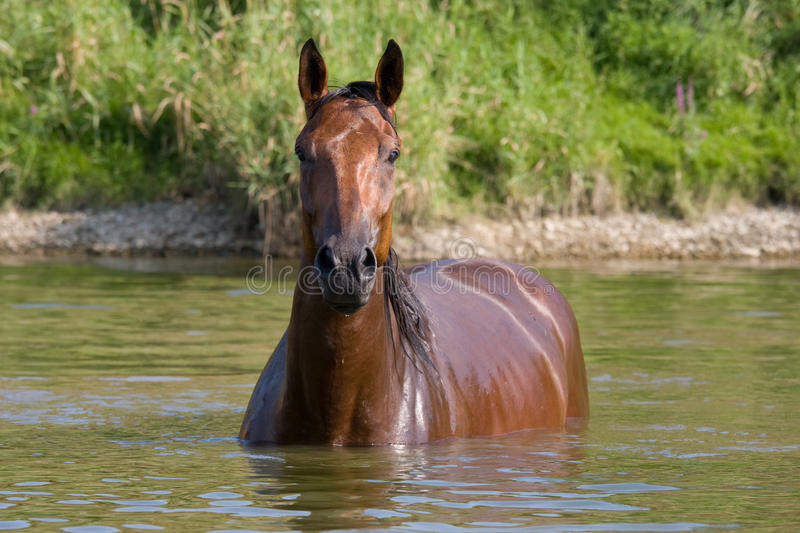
(368,264)
(325,261)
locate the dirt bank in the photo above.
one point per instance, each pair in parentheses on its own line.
(195,229)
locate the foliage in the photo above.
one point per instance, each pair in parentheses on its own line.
(566,106)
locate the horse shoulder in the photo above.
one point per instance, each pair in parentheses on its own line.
(260,419)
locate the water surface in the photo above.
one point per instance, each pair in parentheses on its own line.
(121,392)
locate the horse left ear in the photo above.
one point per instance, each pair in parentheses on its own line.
(389,75)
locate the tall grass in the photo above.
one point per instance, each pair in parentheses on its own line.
(566,106)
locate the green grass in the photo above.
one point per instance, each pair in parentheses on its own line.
(566,106)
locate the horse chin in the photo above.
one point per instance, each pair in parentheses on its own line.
(345,308)
(348,303)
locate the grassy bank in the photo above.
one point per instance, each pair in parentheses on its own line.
(580,105)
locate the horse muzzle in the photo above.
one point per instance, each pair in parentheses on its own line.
(346,276)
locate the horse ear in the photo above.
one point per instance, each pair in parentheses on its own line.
(389,75)
(313,77)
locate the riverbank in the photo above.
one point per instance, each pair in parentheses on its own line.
(189,228)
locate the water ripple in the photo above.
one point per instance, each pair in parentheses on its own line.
(627,488)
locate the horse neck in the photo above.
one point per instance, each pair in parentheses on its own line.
(343,374)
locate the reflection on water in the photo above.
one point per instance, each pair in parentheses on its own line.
(121,393)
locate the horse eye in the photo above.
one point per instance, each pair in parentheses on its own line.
(393,155)
(301,155)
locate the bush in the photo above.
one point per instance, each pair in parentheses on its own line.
(528,104)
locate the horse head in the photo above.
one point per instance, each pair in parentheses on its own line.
(347,152)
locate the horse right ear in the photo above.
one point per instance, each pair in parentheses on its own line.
(313,77)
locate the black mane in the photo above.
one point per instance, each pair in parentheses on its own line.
(409,312)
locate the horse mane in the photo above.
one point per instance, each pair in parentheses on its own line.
(409,313)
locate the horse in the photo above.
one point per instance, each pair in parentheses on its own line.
(379,355)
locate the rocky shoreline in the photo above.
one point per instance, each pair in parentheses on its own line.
(148,230)
(749,234)
(189,228)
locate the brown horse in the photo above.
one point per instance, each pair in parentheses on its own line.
(376,355)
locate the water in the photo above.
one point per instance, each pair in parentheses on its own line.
(121,392)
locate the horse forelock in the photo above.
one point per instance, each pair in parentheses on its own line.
(409,312)
(365,90)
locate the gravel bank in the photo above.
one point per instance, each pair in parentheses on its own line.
(748,234)
(194,229)
(152,229)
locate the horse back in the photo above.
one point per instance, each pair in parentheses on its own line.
(505,343)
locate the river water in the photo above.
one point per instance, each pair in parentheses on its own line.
(122,387)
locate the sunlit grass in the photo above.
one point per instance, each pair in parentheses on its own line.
(567,107)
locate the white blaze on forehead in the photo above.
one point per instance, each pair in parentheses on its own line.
(347,156)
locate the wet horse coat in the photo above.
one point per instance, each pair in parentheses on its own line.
(376,355)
